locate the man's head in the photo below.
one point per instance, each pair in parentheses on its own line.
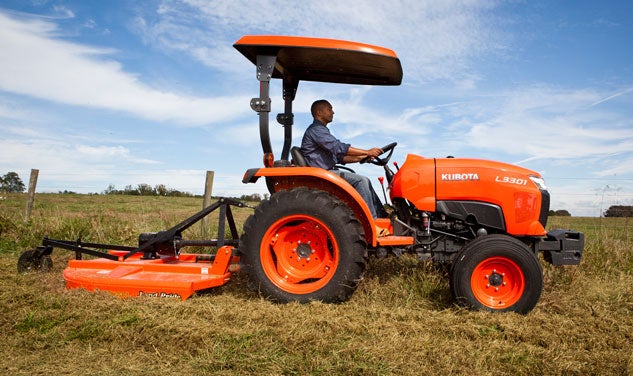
(322,111)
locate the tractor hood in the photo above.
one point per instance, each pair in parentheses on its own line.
(324,60)
(432,184)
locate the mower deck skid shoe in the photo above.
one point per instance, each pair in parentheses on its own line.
(165,277)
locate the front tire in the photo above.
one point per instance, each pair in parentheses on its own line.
(497,273)
(303,245)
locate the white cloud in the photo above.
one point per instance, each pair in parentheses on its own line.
(63,12)
(102,154)
(543,123)
(58,155)
(435,40)
(12,111)
(36,64)
(619,166)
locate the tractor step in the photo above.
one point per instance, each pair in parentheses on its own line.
(384,224)
(391,240)
(165,277)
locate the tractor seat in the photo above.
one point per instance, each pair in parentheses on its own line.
(297,157)
(300,161)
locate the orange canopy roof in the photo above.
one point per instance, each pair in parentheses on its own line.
(325,60)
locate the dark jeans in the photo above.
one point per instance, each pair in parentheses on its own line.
(363,185)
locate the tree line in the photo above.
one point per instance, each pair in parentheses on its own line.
(11,183)
(559,213)
(146,190)
(162,190)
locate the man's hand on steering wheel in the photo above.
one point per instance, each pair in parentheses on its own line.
(374,152)
(375,159)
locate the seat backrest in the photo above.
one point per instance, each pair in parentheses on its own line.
(297,156)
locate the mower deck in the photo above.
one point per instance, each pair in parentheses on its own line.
(156,267)
(164,277)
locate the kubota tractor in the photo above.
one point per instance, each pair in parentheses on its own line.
(311,239)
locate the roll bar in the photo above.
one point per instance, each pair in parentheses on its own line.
(293,59)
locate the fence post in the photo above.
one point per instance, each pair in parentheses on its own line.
(31,196)
(206,201)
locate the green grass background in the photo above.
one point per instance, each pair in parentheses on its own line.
(400,321)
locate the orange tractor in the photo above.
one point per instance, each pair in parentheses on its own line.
(311,240)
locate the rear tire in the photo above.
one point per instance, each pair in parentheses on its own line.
(497,273)
(303,245)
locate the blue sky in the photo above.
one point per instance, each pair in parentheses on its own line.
(94,93)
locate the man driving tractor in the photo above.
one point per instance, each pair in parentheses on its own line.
(321,149)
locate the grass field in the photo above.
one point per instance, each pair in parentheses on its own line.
(400,321)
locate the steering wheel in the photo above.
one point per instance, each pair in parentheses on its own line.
(381,161)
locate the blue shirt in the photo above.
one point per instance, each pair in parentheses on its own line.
(320,148)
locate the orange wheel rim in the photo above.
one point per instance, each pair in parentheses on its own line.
(497,282)
(299,254)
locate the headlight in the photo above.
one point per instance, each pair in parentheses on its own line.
(540,182)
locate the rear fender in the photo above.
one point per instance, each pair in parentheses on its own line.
(287,178)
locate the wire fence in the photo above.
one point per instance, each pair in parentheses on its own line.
(582,196)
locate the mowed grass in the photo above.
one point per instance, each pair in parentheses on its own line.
(401,320)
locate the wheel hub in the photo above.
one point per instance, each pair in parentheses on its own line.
(304,250)
(495,279)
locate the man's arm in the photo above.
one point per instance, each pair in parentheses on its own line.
(357,155)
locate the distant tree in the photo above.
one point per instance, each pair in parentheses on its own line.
(12,183)
(255,197)
(130,191)
(559,213)
(619,211)
(161,190)
(111,190)
(146,190)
